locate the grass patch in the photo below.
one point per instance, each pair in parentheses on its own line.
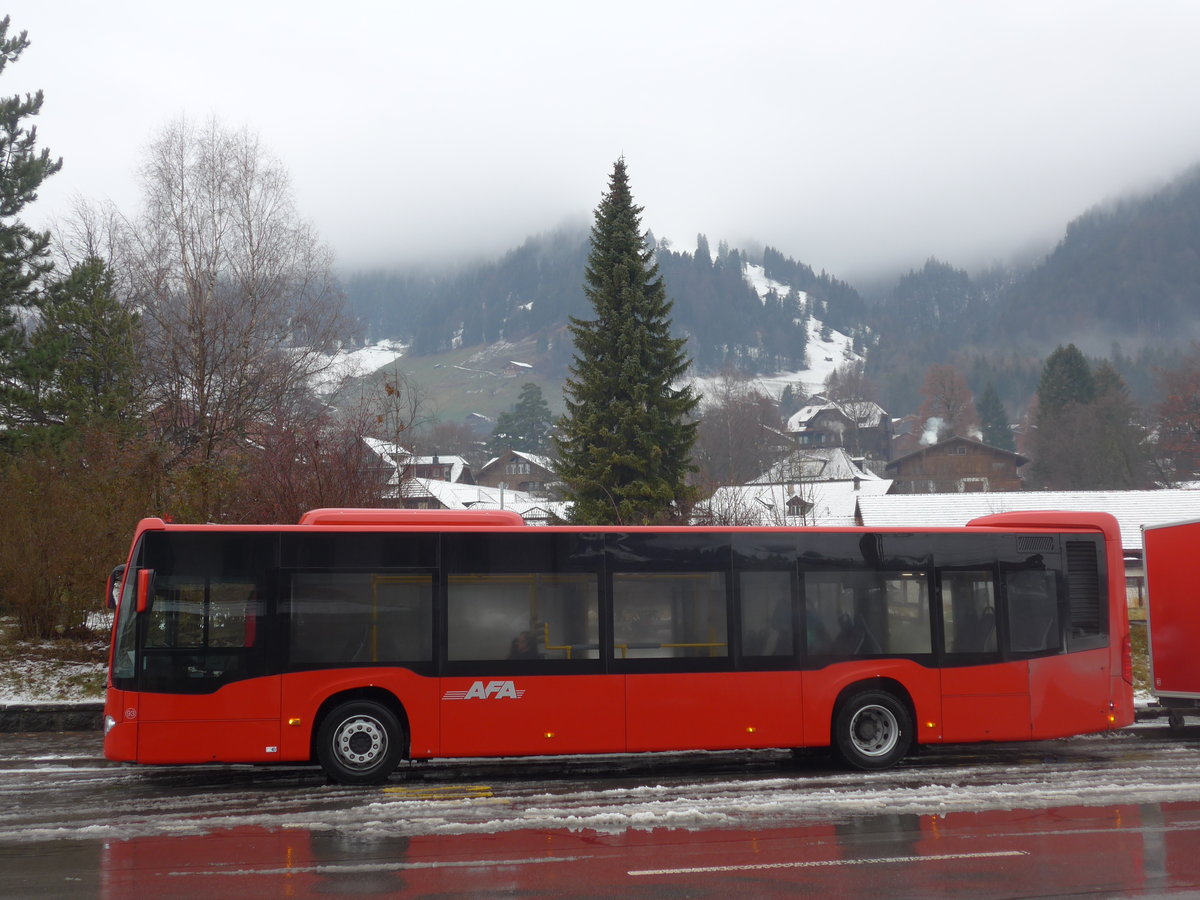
(1140,645)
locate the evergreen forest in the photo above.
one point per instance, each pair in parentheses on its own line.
(1123,284)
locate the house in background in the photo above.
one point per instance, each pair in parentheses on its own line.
(430,493)
(454,469)
(860,426)
(956,465)
(405,466)
(827,464)
(520,471)
(805,488)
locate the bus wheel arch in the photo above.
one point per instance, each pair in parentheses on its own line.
(360,736)
(872,726)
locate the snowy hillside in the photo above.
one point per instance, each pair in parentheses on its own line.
(823,356)
(357,362)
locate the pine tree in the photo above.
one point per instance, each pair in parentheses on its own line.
(1118,459)
(24,253)
(526,426)
(1087,437)
(993,420)
(626,438)
(1064,393)
(86,339)
(1066,379)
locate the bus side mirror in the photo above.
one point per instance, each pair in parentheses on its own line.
(112,590)
(145,589)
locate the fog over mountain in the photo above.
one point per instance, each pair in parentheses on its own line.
(856,138)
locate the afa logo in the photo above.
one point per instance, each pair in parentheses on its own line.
(479,690)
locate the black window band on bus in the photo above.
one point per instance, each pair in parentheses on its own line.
(588,602)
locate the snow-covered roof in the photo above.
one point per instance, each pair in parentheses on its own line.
(864,413)
(457,464)
(452,495)
(398,456)
(536,459)
(1132,509)
(386,450)
(805,415)
(825,464)
(829,503)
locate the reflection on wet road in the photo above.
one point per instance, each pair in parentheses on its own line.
(1117,815)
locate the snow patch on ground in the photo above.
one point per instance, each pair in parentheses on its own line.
(39,680)
(357,362)
(58,671)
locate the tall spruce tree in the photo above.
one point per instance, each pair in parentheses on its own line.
(626,439)
(24,253)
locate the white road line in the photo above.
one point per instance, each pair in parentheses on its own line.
(822,863)
(353,867)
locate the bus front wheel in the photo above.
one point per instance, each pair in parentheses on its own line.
(359,743)
(872,730)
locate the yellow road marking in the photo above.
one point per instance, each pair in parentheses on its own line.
(442,792)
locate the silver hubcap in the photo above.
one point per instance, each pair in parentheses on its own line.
(361,742)
(874,731)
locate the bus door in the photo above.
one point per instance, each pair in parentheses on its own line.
(203,695)
(983,698)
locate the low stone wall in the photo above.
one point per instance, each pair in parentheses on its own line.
(51,716)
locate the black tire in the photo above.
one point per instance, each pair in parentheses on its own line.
(872,730)
(360,742)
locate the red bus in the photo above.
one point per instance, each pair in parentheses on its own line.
(1173,616)
(359,638)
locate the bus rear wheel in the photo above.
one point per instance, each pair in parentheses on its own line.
(360,742)
(872,730)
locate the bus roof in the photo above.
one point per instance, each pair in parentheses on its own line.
(334,518)
(441,518)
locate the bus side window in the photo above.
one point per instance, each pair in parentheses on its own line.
(1032,598)
(907,627)
(827,612)
(857,613)
(523,616)
(766,613)
(669,615)
(360,617)
(969,612)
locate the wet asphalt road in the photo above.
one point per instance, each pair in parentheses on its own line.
(1114,815)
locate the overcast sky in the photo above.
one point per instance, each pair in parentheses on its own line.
(851,136)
